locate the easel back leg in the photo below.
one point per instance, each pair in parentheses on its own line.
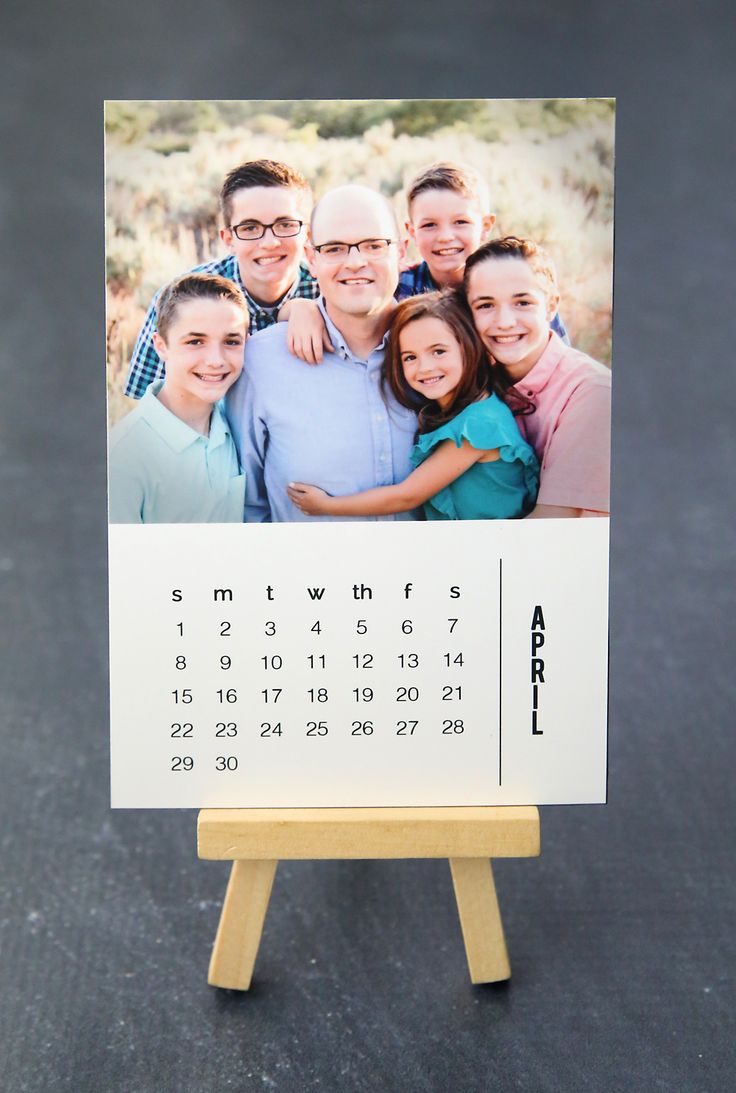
(480,919)
(241,924)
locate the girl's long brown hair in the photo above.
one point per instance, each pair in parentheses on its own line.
(477,377)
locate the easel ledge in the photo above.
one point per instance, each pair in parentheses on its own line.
(255,839)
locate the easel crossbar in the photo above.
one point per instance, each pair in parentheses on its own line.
(234,834)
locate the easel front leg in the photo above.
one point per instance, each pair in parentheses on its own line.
(241,924)
(480,919)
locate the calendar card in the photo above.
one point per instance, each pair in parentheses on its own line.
(359,394)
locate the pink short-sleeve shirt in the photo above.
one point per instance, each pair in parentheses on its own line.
(570,429)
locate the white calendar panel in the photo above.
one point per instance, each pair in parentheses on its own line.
(359,664)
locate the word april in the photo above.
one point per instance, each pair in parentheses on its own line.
(537,665)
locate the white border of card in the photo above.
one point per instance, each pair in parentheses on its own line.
(530,600)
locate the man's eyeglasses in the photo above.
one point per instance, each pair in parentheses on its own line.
(249,230)
(369,248)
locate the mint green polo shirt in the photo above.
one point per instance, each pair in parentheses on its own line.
(161,471)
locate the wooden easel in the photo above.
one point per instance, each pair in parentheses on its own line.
(255,839)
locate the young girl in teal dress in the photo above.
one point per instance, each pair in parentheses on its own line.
(471,461)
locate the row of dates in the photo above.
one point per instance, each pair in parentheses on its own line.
(275,730)
(316,661)
(273,695)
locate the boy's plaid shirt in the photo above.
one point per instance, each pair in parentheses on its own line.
(145,363)
(414,281)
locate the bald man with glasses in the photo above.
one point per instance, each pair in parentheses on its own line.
(332,424)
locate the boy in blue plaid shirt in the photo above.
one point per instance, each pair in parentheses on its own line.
(449,218)
(265,206)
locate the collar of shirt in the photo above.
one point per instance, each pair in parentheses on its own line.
(175,432)
(539,376)
(342,349)
(264,313)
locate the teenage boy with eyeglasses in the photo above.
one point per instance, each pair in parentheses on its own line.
(265,206)
(333,424)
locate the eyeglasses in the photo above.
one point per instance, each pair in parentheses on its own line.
(249,230)
(369,248)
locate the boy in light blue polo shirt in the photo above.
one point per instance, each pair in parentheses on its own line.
(172,459)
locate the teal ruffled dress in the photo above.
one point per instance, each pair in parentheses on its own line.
(501,490)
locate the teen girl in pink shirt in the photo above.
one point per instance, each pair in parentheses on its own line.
(561,396)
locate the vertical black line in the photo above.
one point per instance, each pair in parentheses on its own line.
(500,663)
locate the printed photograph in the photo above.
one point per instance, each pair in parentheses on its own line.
(359,310)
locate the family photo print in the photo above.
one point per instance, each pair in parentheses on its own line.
(359,399)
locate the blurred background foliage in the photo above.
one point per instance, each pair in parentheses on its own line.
(549,165)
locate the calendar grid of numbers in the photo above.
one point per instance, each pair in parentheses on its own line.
(359,664)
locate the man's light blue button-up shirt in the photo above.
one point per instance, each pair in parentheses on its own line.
(330,425)
(164,472)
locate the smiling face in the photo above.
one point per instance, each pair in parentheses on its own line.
(358,285)
(447,227)
(511,306)
(432,359)
(203,350)
(268,266)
